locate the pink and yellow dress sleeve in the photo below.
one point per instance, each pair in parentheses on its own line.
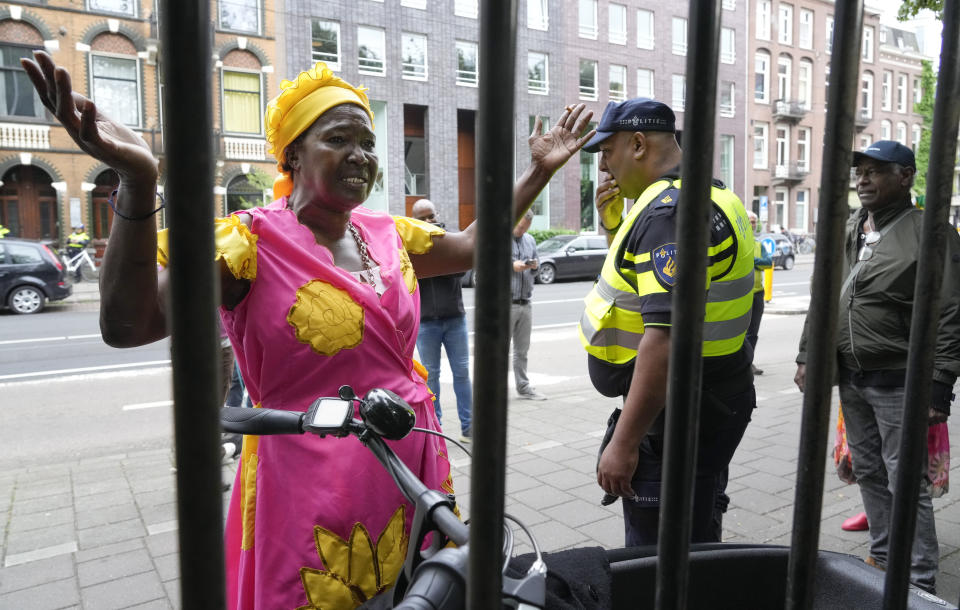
(233,241)
(417,235)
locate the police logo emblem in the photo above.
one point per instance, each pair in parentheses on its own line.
(665,264)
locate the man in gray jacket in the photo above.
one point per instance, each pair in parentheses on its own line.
(876,303)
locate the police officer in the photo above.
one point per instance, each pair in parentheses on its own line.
(625,327)
(3,231)
(76,242)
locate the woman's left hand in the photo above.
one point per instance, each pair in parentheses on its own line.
(552,149)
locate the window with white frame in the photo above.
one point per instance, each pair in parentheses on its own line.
(588,19)
(902,132)
(679,36)
(728,45)
(726,159)
(917,91)
(236,15)
(618,83)
(785,23)
(885,129)
(803,149)
(805,35)
(413,58)
(760,139)
(761,77)
(916,137)
(679,92)
(763,20)
(468,8)
(784,69)
(805,83)
(780,205)
(467,63)
(645,36)
(728,102)
(242,104)
(116,87)
(588,79)
(371,51)
(122,7)
(729,5)
(617,32)
(537,15)
(538,78)
(901,92)
(421,4)
(783,147)
(866,96)
(865,141)
(18,98)
(645,82)
(800,207)
(325,42)
(866,43)
(886,91)
(829,33)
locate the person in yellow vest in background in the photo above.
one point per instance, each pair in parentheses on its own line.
(76,242)
(625,326)
(761,261)
(3,231)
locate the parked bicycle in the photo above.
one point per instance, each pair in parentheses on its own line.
(81,261)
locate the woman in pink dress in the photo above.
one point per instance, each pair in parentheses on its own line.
(317,292)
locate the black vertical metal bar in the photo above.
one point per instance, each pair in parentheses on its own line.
(495,158)
(689,306)
(926,313)
(193,293)
(824,306)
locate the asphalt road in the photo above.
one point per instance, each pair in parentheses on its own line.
(65,394)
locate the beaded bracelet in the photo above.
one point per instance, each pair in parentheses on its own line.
(113,207)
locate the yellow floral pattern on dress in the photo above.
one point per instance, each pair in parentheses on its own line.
(356,570)
(417,235)
(326,318)
(234,243)
(409,275)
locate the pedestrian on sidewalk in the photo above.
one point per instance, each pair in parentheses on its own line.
(525,262)
(881,247)
(443,323)
(626,325)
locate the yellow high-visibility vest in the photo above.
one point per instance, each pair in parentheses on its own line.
(611,324)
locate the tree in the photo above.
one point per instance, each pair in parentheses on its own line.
(910,8)
(928,84)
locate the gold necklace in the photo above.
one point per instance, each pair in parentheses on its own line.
(366,274)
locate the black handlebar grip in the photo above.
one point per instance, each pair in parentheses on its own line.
(260,422)
(438,583)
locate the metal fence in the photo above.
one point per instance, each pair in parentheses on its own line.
(193,292)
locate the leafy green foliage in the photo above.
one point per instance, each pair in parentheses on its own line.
(910,8)
(928,84)
(540,235)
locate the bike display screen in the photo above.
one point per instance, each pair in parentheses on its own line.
(328,415)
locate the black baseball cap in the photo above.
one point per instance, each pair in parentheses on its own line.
(637,114)
(887,151)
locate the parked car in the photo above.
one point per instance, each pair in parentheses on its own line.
(783,254)
(571,257)
(30,275)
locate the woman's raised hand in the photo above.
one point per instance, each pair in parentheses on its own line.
(96,134)
(552,149)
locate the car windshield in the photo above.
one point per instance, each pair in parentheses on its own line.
(555,243)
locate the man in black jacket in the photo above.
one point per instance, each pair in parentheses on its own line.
(873,335)
(443,322)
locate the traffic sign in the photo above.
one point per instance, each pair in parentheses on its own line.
(769,246)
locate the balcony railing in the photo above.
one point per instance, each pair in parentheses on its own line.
(589,31)
(679,48)
(244,148)
(618,37)
(371,65)
(791,172)
(788,109)
(535,85)
(467,77)
(863,118)
(19,135)
(728,109)
(465,8)
(618,95)
(414,71)
(588,92)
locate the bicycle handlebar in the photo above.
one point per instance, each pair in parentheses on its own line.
(240,420)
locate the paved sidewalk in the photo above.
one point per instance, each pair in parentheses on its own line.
(102,533)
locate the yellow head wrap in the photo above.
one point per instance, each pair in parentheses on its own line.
(299,104)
